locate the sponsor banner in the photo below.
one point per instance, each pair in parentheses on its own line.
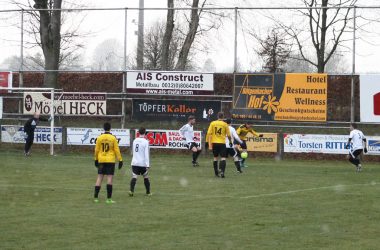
(15,134)
(314,143)
(5,81)
(373,145)
(267,143)
(170,139)
(87,136)
(170,83)
(69,103)
(287,97)
(168,110)
(1,107)
(370,98)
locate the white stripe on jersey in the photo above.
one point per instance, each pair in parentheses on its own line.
(356,137)
(140,150)
(234,135)
(187,131)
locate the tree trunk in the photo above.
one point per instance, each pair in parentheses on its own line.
(167,36)
(193,26)
(50,32)
(321,51)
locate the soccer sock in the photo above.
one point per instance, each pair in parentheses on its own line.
(237,164)
(223,165)
(216,167)
(109,191)
(96,194)
(194,156)
(242,161)
(133,184)
(197,154)
(147,185)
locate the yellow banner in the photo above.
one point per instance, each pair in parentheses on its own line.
(304,98)
(267,143)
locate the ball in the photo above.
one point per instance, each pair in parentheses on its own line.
(244,155)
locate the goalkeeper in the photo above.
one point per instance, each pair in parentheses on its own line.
(242,132)
(29,128)
(106,150)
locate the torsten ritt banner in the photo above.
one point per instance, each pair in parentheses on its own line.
(66,103)
(145,109)
(287,97)
(170,83)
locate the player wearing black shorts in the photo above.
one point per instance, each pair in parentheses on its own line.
(242,132)
(106,150)
(140,162)
(187,133)
(234,151)
(216,139)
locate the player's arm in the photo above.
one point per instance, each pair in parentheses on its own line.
(97,149)
(254,133)
(182,131)
(209,136)
(349,140)
(146,154)
(117,153)
(228,133)
(365,143)
(27,126)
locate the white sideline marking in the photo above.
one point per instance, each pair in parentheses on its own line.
(47,188)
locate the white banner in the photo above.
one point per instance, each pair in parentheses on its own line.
(87,136)
(170,83)
(15,134)
(325,144)
(370,98)
(69,103)
(170,139)
(1,107)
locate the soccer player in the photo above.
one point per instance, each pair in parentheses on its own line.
(140,162)
(356,141)
(29,128)
(106,150)
(187,132)
(242,132)
(233,151)
(216,139)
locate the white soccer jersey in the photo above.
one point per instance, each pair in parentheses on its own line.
(356,137)
(234,135)
(187,131)
(140,152)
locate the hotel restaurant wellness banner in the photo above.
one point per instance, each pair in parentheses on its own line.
(280,97)
(167,110)
(170,83)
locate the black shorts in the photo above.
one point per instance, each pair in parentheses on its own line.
(191,145)
(219,149)
(356,154)
(136,170)
(231,152)
(106,168)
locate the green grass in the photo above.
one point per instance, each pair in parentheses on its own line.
(46,203)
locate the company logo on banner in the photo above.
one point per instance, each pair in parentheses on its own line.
(290,97)
(5,81)
(373,145)
(170,83)
(370,98)
(267,143)
(15,134)
(87,136)
(144,109)
(66,103)
(170,139)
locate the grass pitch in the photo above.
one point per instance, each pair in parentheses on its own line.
(46,203)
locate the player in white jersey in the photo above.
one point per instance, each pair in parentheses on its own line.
(187,133)
(140,162)
(233,151)
(355,144)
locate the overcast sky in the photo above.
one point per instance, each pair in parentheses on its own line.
(219,44)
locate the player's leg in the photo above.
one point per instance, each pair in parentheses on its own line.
(199,150)
(28,144)
(237,160)
(215,152)
(109,171)
(244,148)
(132,184)
(195,155)
(98,184)
(358,164)
(222,164)
(147,182)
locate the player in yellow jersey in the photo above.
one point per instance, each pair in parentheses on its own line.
(216,139)
(242,132)
(106,150)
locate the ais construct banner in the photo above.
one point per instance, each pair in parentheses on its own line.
(267,143)
(288,97)
(167,110)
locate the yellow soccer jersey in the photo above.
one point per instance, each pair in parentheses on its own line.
(107,148)
(242,132)
(217,132)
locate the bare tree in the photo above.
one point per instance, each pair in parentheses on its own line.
(326,26)
(274,50)
(108,55)
(167,36)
